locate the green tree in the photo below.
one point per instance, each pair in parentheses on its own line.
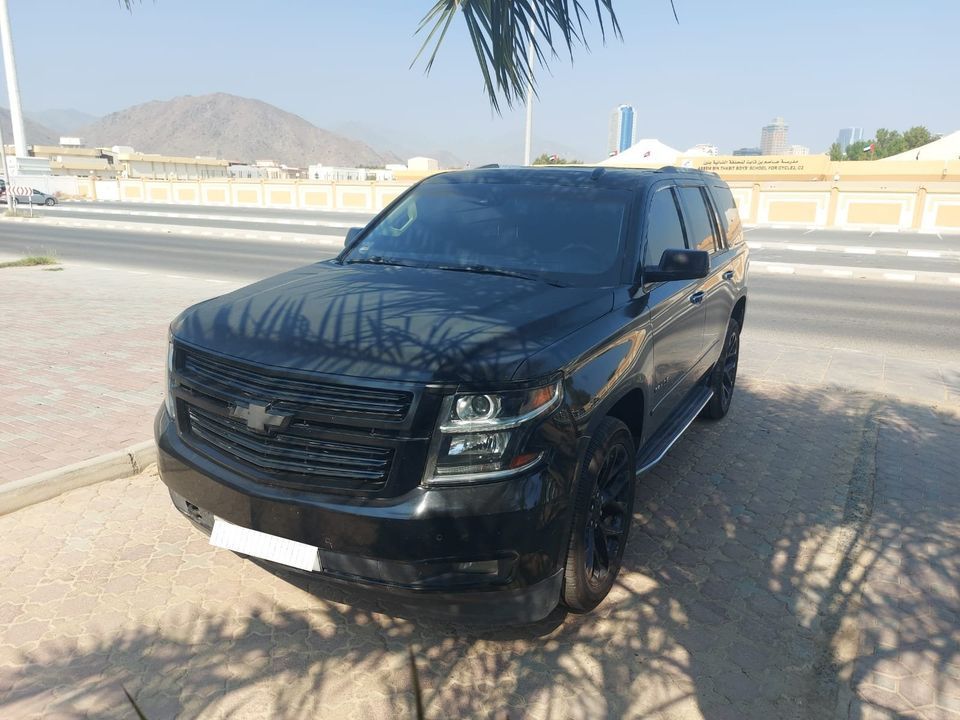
(916,136)
(858,150)
(888,142)
(835,152)
(545,159)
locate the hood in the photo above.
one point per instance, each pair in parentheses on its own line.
(391,323)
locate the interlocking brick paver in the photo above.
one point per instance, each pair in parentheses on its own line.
(82,359)
(737,604)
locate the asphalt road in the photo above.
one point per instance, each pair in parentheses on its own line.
(912,320)
(238,213)
(269,220)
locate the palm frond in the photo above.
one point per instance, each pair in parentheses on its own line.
(502,30)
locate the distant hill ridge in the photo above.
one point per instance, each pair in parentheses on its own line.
(229,127)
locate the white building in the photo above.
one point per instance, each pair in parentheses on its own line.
(798,150)
(423,163)
(331,173)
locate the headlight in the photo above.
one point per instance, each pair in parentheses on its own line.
(483,435)
(168,399)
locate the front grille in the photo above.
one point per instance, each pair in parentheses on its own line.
(229,382)
(292,456)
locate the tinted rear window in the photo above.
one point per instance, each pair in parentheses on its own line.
(699,227)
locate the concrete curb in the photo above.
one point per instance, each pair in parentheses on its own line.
(855,272)
(112,466)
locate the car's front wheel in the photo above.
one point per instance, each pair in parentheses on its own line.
(724,378)
(50,202)
(603,508)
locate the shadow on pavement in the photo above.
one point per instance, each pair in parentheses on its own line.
(760,545)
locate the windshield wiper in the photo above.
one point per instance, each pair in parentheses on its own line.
(490,270)
(376,260)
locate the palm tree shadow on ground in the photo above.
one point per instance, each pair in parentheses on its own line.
(750,561)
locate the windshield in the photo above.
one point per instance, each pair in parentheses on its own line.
(562,235)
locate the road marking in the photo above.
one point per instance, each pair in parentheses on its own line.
(810,231)
(137,272)
(872,232)
(955,279)
(102,267)
(184,232)
(923,253)
(214,280)
(754,245)
(854,250)
(800,247)
(275,237)
(900,277)
(207,233)
(838,273)
(177,277)
(781,269)
(250,236)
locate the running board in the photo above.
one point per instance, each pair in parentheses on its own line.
(665,439)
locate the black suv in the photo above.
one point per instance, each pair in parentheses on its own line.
(455,408)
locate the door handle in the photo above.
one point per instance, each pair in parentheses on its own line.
(728,275)
(697,297)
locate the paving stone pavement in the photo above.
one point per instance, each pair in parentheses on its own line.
(796,560)
(81,372)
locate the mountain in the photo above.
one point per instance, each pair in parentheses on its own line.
(65,121)
(228,127)
(36,134)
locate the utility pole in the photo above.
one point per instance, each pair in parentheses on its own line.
(13,89)
(528,144)
(6,176)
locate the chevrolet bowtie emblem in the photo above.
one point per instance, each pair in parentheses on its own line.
(258,418)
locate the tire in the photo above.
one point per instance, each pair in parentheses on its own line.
(603,509)
(50,202)
(724,378)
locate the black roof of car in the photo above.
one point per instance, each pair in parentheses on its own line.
(567,175)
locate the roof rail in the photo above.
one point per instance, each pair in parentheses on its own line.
(487,166)
(674,168)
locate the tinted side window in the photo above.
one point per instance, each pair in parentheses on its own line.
(729,216)
(664,229)
(699,227)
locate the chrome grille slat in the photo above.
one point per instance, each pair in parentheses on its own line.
(363,466)
(231,381)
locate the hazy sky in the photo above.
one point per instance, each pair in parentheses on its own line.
(717,77)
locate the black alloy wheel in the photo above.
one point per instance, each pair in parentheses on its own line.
(724,378)
(602,514)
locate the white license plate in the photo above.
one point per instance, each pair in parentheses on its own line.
(263,545)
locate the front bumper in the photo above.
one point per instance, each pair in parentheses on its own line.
(485,552)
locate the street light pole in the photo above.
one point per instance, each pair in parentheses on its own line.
(13,88)
(528,140)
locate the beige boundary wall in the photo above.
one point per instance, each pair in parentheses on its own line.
(932,206)
(357,196)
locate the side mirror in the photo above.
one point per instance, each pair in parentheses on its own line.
(680,265)
(351,235)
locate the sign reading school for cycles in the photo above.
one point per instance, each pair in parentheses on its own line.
(792,165)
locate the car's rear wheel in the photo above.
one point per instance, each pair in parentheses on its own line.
(603,508)
(724,378)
